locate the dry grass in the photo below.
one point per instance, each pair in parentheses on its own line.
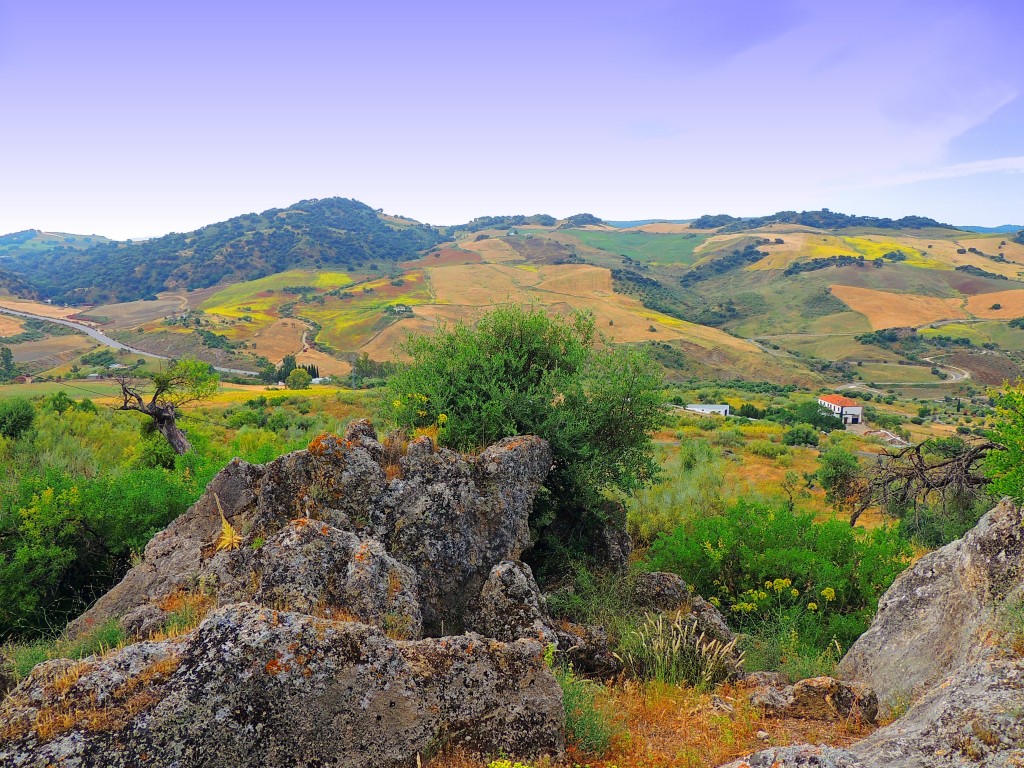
(280,338)
(38,308)
(678,727)
(493,251)
(10,326)
(889,310)
(1011,302)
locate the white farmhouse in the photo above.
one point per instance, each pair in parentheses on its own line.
(847,409)
(715,410)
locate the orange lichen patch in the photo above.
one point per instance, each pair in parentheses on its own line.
(325,444)
(69,709)
(884,309)
(276,666)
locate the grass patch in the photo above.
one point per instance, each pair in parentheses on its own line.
(25,656)
(645,246)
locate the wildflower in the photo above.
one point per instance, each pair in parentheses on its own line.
(442,419)
(812,606)
(715,602)
(795,592)
(829,594)
(396,403)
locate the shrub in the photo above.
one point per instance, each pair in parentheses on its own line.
(670,651)
(589,724)
(690,484)
(768,565)
(520,371)
(16,417)
(801,434)
(768,449)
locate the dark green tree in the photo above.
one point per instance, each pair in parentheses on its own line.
(16,417)
(521,371)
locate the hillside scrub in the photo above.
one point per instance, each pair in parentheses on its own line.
(521,371)
(83,491)
(771,568)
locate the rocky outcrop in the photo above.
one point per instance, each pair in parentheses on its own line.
(933,617)
(435,531)
(510,606)
(260,688)
(818,698)
(320,573)
(937,646)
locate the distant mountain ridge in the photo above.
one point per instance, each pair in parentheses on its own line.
(328,233)
(823,219)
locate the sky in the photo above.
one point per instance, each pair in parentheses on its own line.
(133,119)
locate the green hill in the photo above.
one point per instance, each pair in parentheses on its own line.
(328,233)
(32,241)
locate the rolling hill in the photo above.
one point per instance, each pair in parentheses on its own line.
(333,232)
(794,297)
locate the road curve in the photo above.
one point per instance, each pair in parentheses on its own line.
(102,338)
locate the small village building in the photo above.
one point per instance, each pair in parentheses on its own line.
(847,409)
(707,408)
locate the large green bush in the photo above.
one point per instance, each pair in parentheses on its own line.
(521,371)
(16,416)
(766,565)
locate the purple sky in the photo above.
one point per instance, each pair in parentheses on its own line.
(134,118)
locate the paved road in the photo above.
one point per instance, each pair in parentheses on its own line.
(102,338)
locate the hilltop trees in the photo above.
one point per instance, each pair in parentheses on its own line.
(184,382)
(520,371)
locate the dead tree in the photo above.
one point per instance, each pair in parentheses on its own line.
(184,382)
(910,476)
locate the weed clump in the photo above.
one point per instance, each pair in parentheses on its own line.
(671,651)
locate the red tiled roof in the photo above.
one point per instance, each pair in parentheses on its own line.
(843,402)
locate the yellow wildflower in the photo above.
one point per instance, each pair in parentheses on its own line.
(812,606)
(829,594)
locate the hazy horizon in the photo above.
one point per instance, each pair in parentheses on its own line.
(133,120)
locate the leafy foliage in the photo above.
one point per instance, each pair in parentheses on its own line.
(16,417)
(1005,467)
(769,565)
(520,371)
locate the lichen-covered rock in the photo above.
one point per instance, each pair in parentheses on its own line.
(586,648)
(453,519)
(255,687)
(799,756)
(972,718)
(818,698)
(931,619)
(510,606)
(312,567)
(661,591)
(448,518)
